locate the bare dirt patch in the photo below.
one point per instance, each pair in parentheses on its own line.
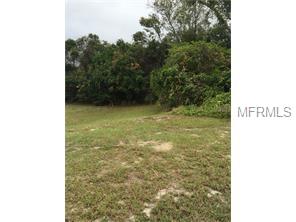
(159,118)
(191,129)
(137,161)
(146,143)
(163,147)
(156,145)
(173,190)
(148,208)
(73,149)
(216,142)
(223,133)
(139,120)
(121,202)
(120,143)
(215,193)
(131,219)
(125,165)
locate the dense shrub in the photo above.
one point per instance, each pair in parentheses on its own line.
(101,73)
(192,73)
(218,106)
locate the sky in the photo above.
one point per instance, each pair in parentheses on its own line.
(109,19)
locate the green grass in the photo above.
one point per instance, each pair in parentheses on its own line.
(113,171)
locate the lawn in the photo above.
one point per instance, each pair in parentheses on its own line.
(139,163)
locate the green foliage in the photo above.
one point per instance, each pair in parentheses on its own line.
(189,20)
(199,57)
(192,73)
(140,38)
(197,68)
(103,73)
(218,106)
(152,26)
(219,35)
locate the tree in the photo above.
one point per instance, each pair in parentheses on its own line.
(189,20)
(140,38)
(177,19)
(71,54)
(152,26)
(221,9)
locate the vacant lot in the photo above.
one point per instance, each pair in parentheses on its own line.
(142,164)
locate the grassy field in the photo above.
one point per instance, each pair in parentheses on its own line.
(139,163)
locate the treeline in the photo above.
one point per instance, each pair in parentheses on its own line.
(102,73)
(182,57)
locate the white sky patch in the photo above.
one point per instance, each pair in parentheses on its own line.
(109,19)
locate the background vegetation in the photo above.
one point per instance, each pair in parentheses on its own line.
(218,106)
(182,57)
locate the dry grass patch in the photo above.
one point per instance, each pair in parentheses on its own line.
(157,145)
(163,147)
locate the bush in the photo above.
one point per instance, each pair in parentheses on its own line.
(192,73)
(218,106)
